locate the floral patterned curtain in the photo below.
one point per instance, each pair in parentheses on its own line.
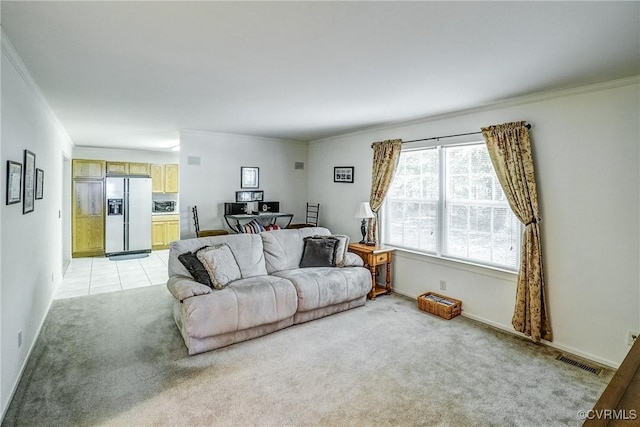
(386,155)
(510,151)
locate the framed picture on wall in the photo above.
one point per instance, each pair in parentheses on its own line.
(343,174)
(39,184)
(29,188)
(249,177)
(14,182)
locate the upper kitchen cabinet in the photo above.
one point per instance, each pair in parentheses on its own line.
(164,178)
(157,178)
(126,168)
(90,169)
(118,167)
(139,168)
(171,178)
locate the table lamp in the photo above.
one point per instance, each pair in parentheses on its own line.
(364,211)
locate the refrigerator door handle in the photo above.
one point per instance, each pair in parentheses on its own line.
(125,236)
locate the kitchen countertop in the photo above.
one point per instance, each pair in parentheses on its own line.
(164,213)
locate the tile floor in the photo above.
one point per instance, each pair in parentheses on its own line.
(90,276)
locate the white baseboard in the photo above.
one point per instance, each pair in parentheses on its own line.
(509,329)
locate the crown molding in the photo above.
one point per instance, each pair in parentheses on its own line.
(505,103)
(14,58)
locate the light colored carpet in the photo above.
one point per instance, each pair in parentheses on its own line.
(117,359)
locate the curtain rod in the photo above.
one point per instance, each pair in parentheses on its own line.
(528,126)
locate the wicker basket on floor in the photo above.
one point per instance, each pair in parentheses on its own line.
(441,310)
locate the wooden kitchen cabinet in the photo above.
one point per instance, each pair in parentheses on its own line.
(157,178)
(171,178)
(118,167)
(89,169)
(139,168)
(164,230)
(88,218)
(127,168)
(164,178)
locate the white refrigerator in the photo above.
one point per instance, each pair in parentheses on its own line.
(128,219)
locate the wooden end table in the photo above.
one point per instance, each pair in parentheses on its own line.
(373,257)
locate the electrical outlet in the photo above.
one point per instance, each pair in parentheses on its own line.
(19,339)
(443,285)
(631,337)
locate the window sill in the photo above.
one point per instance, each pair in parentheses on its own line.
(485,270)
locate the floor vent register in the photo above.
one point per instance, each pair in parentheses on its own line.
(593,369)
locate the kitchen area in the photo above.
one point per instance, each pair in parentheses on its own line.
(123,208)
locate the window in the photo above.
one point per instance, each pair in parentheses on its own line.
(447,201)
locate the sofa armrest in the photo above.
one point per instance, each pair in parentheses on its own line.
(183,287)
(353,260)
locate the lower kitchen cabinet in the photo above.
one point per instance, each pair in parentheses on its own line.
(164,230)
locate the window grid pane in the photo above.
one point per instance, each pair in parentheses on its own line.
(477,224)
(412,202)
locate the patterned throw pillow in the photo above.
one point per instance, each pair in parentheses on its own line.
(271,227)
(220,264)
(319,252)
(251,227)
(195,268)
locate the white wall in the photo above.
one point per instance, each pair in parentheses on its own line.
(216,179)
(31,244)
(119,155)
(586,150)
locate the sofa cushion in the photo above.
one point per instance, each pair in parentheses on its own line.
(319,252)
(318,287)
(195,268)
(220,264)
(246,248)
(283,248)
(243,304)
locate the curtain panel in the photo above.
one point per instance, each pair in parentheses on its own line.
(509,147)
(386,155)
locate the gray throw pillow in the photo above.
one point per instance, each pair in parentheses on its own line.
(220,264)
(319,252)
(341,249)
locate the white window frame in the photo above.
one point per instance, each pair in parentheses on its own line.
(442,223)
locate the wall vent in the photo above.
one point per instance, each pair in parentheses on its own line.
(193,160)
(593,369)
(299,165)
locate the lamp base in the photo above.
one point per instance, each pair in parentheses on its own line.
(363,230)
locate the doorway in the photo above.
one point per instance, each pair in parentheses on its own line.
(65,212)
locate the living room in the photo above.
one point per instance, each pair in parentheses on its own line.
(585,137)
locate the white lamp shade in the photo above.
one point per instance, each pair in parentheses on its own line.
(364,211)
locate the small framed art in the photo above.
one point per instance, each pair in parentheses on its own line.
(249,177)
(39,184)
(14,182)
(343,174)
(29,187)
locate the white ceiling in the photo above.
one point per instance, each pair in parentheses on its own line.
(133,74)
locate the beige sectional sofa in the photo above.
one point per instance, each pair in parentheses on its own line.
(272,293)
